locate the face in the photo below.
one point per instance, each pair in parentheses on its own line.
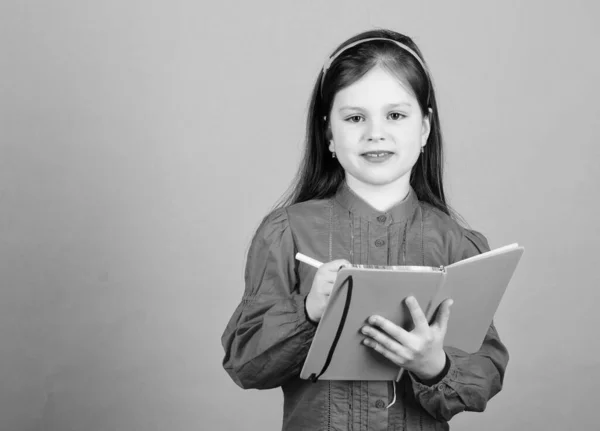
(377,129)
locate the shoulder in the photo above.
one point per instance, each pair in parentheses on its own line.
(271,243)
(273,225)
(306,218)
(476,240)
(312,208)
(271,250)
(284,221)
(457,242)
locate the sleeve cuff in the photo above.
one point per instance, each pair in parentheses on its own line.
(443,382)
(436,379)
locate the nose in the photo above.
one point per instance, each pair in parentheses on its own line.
(375,132)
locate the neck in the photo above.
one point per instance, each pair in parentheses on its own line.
(381,197)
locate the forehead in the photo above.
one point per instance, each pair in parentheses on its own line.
(378,86)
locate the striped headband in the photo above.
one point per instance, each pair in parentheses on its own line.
(337,54)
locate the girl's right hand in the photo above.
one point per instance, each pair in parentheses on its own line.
(318,297)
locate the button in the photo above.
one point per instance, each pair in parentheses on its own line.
(441,387)
(379,242)
(379,404)
(381,219)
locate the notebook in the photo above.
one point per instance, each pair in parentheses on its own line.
(476,286)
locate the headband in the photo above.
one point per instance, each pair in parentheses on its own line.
(337,54)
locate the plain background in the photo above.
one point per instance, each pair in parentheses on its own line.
(141,142)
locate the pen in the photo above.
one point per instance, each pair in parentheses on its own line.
(308,260)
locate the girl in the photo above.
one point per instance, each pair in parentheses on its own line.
(369,191)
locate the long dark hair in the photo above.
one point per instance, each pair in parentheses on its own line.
(319,175)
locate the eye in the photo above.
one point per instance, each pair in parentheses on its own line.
(396,116)
(354,119)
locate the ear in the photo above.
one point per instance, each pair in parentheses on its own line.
(331,146)
(426,127)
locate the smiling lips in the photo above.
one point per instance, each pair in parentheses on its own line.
(377,156)
(381,154)
(376,153)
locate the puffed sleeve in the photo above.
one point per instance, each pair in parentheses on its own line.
(469,380)
(267,338)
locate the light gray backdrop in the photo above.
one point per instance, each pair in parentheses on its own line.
(141,142)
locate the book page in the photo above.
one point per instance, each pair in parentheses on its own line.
(476,289)
(488,254)
(406,268)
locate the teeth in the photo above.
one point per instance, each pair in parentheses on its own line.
(380,154)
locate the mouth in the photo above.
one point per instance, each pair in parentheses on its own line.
(378,153)
(378,156)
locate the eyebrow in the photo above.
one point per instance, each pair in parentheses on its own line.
(388,106)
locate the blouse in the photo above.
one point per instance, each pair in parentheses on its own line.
(268,336)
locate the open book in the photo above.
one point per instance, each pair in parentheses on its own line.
(475,284)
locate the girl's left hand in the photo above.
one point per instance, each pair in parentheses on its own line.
(421,350)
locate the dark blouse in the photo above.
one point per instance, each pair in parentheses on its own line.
(267,338)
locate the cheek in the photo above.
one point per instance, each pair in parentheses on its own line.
(409,132)
(345,135)
(345,144)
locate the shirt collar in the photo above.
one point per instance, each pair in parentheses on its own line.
(355,204)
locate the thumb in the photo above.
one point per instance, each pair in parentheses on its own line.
(336,265)
(343,263)
(443,315)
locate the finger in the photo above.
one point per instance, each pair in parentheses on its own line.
(443,315)
(385,340)
(395,358)
(328,271)
(394,331)
(416,313)
(341,263)
(327,289)
(334,266)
